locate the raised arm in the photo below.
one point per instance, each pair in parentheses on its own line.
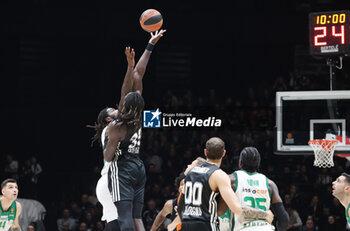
(278,208)
(167,208)
(141,65)
(128,79)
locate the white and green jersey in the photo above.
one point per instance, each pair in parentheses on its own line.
(7,217)
(252,189)
(104,138)
(347,215)
(225,223)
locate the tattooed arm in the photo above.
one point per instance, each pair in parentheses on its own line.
(220,181)
(251,214)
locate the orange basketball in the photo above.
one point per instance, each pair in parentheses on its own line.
(151,20)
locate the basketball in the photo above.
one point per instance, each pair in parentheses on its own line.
(151,20)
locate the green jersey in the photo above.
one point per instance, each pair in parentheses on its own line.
(7,217)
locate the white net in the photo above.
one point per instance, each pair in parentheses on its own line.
(324,150)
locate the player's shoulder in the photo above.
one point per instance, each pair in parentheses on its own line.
(271,182)
(272,185)
(219,174)
(116,127)
(169,203)
(18,205)
(233,179)
(167,208)
(217,178)
(114,124)
(18,208)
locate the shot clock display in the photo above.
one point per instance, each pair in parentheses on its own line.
(329,33)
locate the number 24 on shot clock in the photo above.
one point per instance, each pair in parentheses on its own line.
(329,33)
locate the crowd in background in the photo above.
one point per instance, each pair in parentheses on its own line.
(249,120)
(27,174)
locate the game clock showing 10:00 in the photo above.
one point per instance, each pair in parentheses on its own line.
(329,33)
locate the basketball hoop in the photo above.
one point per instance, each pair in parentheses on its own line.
(324,150)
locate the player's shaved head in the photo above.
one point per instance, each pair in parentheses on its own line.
(215,148)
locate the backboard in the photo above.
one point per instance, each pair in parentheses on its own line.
(305,115)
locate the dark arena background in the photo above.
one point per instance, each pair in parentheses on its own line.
(63,61)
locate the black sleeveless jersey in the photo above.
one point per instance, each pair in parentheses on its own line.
(119,178)
(174,211)
(131,143)
(199,200)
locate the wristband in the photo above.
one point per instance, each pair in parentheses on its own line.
(149,47)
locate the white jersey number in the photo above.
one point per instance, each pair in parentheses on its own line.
(135,141)
(2,224)
(193,193)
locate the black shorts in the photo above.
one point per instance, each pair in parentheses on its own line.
(131,179)
(198,225)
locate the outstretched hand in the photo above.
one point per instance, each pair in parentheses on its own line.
(130,56)
(155,36)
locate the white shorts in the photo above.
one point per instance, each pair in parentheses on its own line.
(109,212)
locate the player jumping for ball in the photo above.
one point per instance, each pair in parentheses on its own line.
(126,173)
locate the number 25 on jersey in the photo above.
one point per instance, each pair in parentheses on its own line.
(255,202)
